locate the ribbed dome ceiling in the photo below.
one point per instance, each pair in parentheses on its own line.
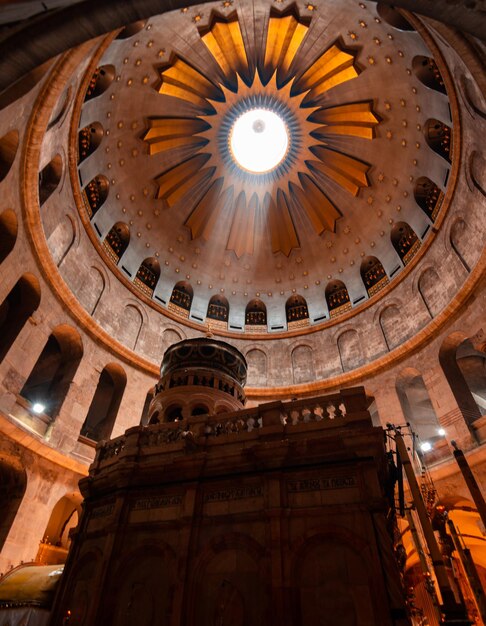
(349,205)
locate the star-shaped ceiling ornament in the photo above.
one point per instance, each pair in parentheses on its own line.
(209,176)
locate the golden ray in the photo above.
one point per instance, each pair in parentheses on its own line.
(181,80)
(242,231)
(356,119)
(319,209)
(169,132)
(206,213)
(349,172)
(225,43)
(284,38)
(282,230)
(177,181)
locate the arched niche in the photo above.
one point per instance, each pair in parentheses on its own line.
(95,194)
(169,337)
(456,367)
(173,413)
(432,290)
(428,196)
(256,314)
(373,275)
(21,302)
(146,406)
(296,312)
(460,239)
(104,406)
(130,326)
(91,289)
(350,350)
(405,241)
(218,311)
(303,364)
(8,232)
(100,81)
(89,138)
(148,275)
(54,370)
(392,325)
(181,298)
(56,540)
(426,70)
(439,138)
(337,298)
(60,109)
(62,239)
(117,240)
(13,479)
(416,405)
(199,409)
(393,16)
(49,178)
(131,30)
(257,368)
(9,144)
(472,364)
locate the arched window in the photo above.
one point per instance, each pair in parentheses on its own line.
(428,196)
(131,29)
(255,315)
(427,72)
(104,406)
(49,380)
(199,409)
(9,144)
(173,414)
(15,310)
(296,312)
(218,311)
(392,16)
(117,240)
(95,194)
(49,178)
(8,232)
(405,241)
(373,275)
(147,276)
(439,137)
(100,81)
(337,298)
(13,479)
(181,299)
(89,139)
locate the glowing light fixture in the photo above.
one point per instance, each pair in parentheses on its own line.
(426,446)
(441,432)
(259,140)
(37,407)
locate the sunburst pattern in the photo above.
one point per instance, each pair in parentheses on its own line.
(210,179)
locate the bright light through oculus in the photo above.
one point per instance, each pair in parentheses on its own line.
(259,140)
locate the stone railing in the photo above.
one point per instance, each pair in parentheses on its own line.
(347,408)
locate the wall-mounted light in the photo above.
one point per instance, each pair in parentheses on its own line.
(426,446)
(441,432)
(38,407)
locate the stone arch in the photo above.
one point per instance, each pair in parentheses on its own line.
(89,139)
(302,358)
(405,241)
(391,322)
(428,196)
(144,419)
(257,367)
(20,303)
(101,79)
(95,194)
(459,239)
(170,336)
(416,405)
(130,326)
(439,138)
(477,168)
(373,275)
(13,479)
(426,70)
(131,30)
(117,240)
(256,314)
(9,144)
(350,350)
(8,232)
(103,410)
(62,239)
(91,289)
(448,359)
(49,381)
(148,275)
(49,178)
(181,298)
(56,539)
(337,298)
(432,292)
(61,108)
